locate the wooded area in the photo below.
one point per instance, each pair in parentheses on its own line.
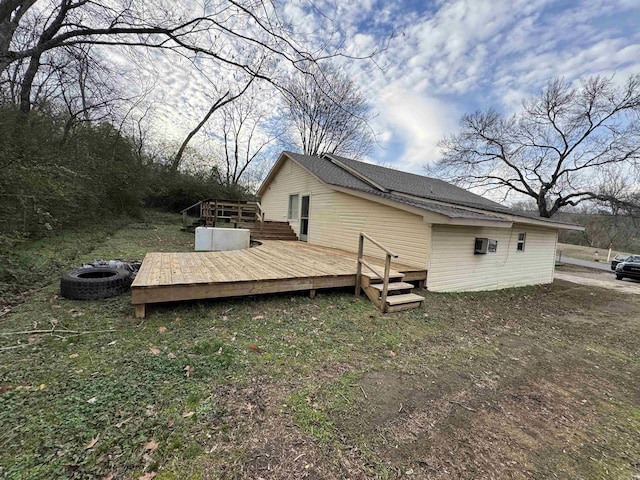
(80,142)
(95,128)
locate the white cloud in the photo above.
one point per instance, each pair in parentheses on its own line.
(455,56)
(419,121)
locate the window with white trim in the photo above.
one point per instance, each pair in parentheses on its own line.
(293,207)
(522,237)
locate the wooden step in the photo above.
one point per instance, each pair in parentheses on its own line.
(403,299)
(393,275)
(393,286)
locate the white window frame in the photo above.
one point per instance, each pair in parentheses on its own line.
(290,217)
(520,245)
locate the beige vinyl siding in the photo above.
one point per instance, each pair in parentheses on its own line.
(454,267)
(291,179)
(336,218)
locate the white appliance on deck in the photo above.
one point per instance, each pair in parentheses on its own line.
(221,239)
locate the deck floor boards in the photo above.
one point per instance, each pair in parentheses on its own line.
(274,266)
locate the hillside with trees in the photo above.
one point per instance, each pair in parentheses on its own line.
(80,140)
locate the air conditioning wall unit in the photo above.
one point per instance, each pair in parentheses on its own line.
(485,245)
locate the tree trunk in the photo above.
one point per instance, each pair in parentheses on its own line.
(11,11)
(27,84)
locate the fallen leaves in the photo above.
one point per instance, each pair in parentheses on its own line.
(148,476)
(120,424)
(154,350)
(188,371)
(258,317)
(150,447)
(74,355)
(171,356)
(188,414)
(162,329)
(92,443)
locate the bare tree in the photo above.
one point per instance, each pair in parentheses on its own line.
(559,150)
(246,133)
(224,99)
(327,113)
(222,34)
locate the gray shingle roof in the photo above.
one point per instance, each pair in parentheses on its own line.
(421,186)
(329,173)
(399,184)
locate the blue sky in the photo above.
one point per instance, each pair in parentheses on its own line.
(451,57)
(446,58)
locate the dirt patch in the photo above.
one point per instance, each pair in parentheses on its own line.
(462,431)
(261,442)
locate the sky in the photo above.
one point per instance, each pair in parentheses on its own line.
(448,58)
(442,59)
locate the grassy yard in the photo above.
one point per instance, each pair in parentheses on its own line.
(537,382)
(585,253)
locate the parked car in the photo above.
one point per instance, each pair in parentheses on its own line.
(621,257)
(629,268)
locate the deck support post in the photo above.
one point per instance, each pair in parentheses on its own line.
(312,293)
(359,268)
(385,283)
(141,310)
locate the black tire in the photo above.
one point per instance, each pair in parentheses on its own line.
(619,277)
(94,283)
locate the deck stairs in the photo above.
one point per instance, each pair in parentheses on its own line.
(237,214)
(269,230)
(399,293)
(385,287)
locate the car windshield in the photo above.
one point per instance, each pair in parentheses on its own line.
(633,259)
(621,256)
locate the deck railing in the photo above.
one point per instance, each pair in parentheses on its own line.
(232,211)
(260,215)
(387,268)
(189,211)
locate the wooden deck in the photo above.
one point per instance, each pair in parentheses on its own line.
(274,266)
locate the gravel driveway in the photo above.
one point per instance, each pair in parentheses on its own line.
(595,278)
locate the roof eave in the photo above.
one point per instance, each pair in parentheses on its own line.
(479,222)
(272,173)
(546,223)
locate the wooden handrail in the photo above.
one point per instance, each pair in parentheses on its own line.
(260,215)
(185,214)
(371,267)
(189,208)
(387,268)
(379,245)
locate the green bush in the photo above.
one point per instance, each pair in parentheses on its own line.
(52,178)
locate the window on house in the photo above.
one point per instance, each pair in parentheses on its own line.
(521,240)
(293,207)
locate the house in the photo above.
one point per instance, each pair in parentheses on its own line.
(466,242)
